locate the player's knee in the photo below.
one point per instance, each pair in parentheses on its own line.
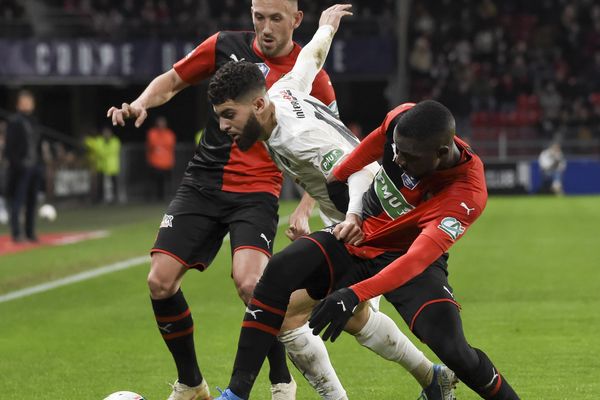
(298,311)
(163,279)
(161,288)
(245,290)
(455,353)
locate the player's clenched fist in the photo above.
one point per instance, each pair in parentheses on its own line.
(349,231)
(127,111)
(334,14)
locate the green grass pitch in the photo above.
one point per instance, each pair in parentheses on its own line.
(526,274)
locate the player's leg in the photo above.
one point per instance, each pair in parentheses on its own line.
(174,317)
(427,305)
(185,240)
(439,325)
(371,328)
(253,225)
(247,268)
(379,333)
(307,351)
(305,263)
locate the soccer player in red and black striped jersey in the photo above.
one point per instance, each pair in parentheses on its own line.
(222,191)
(429,190)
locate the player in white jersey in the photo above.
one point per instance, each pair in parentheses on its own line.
(307,140)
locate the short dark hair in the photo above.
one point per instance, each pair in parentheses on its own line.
(234,80)
(24,93)
(428,120)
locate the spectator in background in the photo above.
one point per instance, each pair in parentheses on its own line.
(3,211)
(111,164)
(421,57)
(160,154)
(552,164)
(551,104)
(92,144)
(458,95)
(25,166)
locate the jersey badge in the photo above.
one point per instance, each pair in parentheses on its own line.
(409,182)
(264,68)
(452,227)
(167,221)
(330,158)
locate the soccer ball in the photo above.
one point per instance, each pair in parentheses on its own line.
(124,396)
(47,211)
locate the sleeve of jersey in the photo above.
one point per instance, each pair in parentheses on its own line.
(367,152)
(200,63)
(420,255)
(309,62)
(322,89)
(444,226)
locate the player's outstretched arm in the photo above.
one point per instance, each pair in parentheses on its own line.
(313,55)
(158,92)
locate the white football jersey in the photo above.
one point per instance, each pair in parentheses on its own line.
(308,141)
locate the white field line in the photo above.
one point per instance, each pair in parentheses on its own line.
(83,276)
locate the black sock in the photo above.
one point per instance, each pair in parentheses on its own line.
(260,328)
(177,329)
(278,369)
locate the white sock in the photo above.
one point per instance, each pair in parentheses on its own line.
(381,335)
(309,355)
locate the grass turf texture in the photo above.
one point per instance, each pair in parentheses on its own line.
(525,274)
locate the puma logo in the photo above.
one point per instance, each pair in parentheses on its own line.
(165,328)
(343,305)
(466,207)
(496,376)
(262,235)
(253,313)
(448,290)
(234,58)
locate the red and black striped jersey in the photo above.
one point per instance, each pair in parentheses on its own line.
(218,163)
(418,219)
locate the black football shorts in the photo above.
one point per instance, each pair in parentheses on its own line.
(429,287)
(196,222)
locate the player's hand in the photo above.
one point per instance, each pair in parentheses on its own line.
(334,14)
(298,226)
(127,111)
(349,231)
(334,310)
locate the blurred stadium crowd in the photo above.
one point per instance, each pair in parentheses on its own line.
(174,18)
(497,64)
(511,63)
